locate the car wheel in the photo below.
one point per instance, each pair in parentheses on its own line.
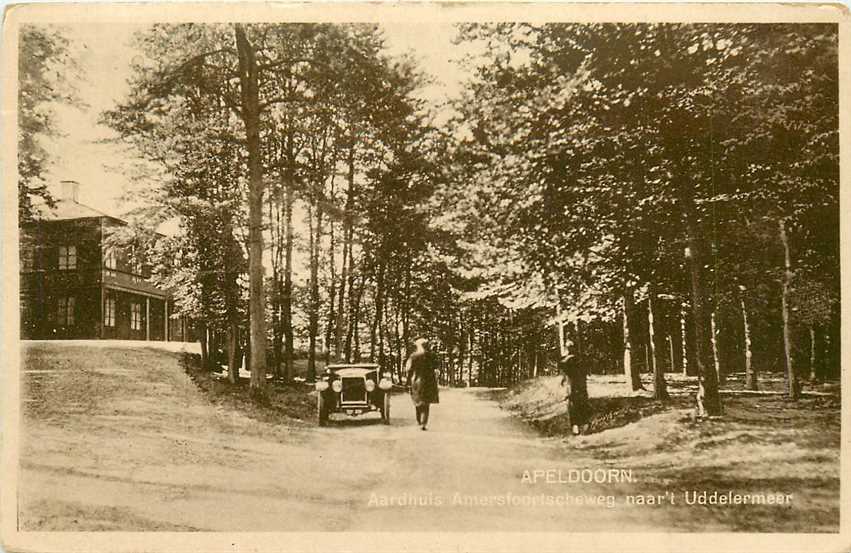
(385,409)
(321,410)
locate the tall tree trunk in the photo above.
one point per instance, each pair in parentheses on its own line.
(535,356)
(287,299)
(470,358)
(813,356)
(397,337)
(357,317)
(462,347)
(202,339)
(213,345)
(793,385)
(233,349)
(833,343)
(332,291)
(509,346)
(482,361)
(379,310)
(647,365)
(350,316)
(315,230)
(311,315)
(277,239)
(238,354)
(630,369)
(250,113)
(488,372)
(751,382)
(406,311)
(285,258)
(247,348)
(660,388)
(821,352)
(671,350)
(715,357)
(382,333)
(356,325)
(231,297)
(708,398)
(340,321)
(277,330)
(577,334)
(627,343)
(347,257)
(332,269)
(684,339)
(352,333)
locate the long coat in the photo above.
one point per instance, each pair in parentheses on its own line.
(421,366)
(578,406)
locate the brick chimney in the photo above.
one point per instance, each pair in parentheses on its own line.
(70,190)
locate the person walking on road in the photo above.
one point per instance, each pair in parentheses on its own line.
(421,367)
(574,375)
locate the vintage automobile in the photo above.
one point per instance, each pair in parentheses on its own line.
(353,390)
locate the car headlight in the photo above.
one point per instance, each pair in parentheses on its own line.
(321,386)
(385,384)
(370,385)
(337,385)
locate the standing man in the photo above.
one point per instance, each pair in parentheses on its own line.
(575,377)
(421,367)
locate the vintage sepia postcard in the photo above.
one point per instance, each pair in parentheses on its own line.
(425,277)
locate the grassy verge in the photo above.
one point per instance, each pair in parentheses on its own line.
(293,402)
(541,402)
(763,444)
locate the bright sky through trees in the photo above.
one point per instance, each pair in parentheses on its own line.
(80,154)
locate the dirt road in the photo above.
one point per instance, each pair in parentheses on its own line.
(121,439)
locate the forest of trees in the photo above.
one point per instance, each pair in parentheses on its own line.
(666,196)
(674,189)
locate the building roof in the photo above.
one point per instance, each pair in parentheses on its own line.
(69,209)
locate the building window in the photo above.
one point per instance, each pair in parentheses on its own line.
(67,257)
(109,311)
(109,261)
(65,311)
(27,259)
(136,316)
(136,267)
(28,314)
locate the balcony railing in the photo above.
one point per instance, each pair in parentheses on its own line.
(130,280)
(70,278)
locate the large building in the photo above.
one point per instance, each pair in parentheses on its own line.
(75,286)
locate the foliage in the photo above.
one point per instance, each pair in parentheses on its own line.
(47,73)
(611,148)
